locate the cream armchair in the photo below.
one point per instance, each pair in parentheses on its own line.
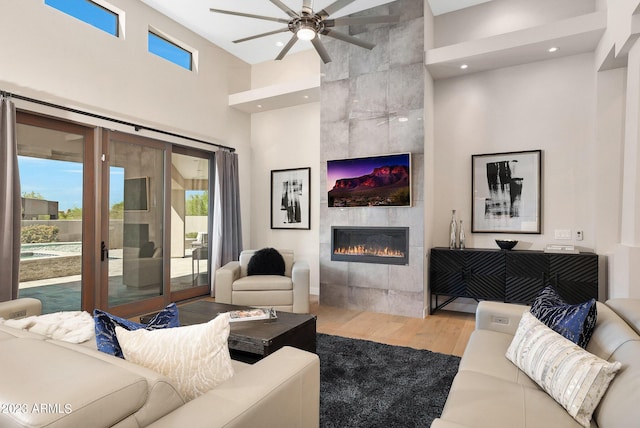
(289,293)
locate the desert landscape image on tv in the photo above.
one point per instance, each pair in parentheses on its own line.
(371,181)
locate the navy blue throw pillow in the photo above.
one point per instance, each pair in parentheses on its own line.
(267,261)
(106,323)
(574,322)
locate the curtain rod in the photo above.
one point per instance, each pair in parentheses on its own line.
(110,119)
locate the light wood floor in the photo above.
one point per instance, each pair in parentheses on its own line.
(446,332)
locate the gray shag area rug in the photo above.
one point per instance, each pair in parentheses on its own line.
(369,384)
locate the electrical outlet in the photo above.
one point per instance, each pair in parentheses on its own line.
(563,234)
(579,235)
(500,320)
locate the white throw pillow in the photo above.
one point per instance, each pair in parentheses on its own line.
(576,379)
(196,357)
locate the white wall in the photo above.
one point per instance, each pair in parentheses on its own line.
(292,67)
(546,105)
(283,139)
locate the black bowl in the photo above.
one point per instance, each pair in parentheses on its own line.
(506,244)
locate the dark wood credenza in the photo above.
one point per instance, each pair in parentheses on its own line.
(509,276)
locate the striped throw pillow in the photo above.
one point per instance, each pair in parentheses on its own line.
(576,379)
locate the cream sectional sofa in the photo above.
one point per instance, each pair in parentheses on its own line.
(48,383)
(491,392)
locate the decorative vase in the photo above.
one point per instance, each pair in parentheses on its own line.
(461,240)
(453,231)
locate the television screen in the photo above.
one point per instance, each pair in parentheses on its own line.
(136,194)
(376,181)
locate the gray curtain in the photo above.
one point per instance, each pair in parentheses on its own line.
(226,230)
(10,203)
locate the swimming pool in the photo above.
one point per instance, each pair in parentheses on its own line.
(51,249)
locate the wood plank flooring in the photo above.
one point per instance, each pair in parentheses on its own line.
(446,332)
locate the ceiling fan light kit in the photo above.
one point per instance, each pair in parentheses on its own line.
(307,25)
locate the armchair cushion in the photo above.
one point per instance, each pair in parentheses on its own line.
(263,282)
(267,261)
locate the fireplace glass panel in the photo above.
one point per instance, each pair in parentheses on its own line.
(384,245)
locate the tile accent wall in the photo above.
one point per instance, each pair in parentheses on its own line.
(363,93)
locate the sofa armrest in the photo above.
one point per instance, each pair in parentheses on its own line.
(20,308)
(281,390)
(300,279)
(498,316)
(224,281)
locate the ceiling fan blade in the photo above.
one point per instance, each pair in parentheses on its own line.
(248,15)
(334,7)
(286,9)
(282,30)
(362,20)
(324,55)
(286,48)
(348,38)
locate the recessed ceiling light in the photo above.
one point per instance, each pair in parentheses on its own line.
(553,49)
(464,66)
(306,97)
(403,119)
(259,106)
(279,44)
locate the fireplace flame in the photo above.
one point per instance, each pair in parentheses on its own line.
(361,250)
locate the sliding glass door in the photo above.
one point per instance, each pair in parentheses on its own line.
(189,223)
(134,243)
(53,157)
(110,220)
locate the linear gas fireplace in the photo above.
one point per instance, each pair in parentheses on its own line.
(385,245)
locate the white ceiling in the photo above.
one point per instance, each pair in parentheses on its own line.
(223,29)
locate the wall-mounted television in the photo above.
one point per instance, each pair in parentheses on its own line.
(136,194)
(375,181)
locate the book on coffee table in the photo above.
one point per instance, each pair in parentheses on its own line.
(252,314)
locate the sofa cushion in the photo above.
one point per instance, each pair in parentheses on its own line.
(575,378)
(628,310)
(485,354)
(477,400)
(267,261)
(105,324)
(619,406)
(575,322)
(75,389)
(196,357)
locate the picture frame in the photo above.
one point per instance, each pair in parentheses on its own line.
(372,181)
(506,192)
(291,198)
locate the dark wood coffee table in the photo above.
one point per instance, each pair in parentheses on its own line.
(250,341)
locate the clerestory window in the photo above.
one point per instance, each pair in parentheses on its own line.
(90,12)
(170,51)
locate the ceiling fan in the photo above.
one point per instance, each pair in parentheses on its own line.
(309,25)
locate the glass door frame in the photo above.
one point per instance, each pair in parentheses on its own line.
(202,290)
(149,304)
(89,285)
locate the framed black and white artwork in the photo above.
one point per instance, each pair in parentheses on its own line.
(506,192)
(290,198)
